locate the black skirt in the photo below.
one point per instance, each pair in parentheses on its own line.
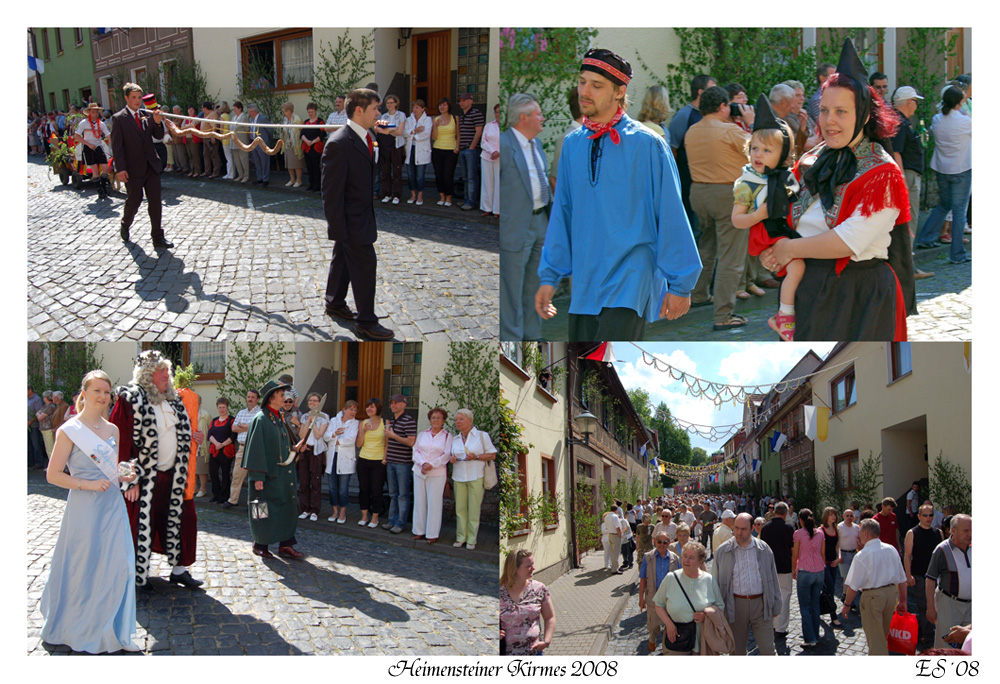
(857,305)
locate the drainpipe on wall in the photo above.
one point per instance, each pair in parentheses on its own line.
(571,544)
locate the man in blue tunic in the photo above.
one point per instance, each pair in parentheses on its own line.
(618,225)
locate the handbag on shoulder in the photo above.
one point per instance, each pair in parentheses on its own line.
(687,632)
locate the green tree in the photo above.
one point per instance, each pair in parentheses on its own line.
(256,85)
(341,67)
(470,380)
(68,362)
(699,457)
(921,47)
(543,62)
(757,58)
(249,366)
(586,522)
(950,485)
(510,445)
(868,479)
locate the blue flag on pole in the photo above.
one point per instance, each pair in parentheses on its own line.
(777,441)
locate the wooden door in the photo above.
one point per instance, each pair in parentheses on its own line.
(361,371)
(431,68)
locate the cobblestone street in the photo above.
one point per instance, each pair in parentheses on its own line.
(944,305)
(347,596)
(250,263)
(597,613)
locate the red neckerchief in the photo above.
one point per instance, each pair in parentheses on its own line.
(609,128)
(276,414)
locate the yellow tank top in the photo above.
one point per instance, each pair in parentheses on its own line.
(374,447)
(446,139)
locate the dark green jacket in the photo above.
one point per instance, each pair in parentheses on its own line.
(268,444)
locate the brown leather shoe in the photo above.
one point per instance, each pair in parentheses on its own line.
(920,275)
(263,553)
(770,284)
(375,331)
(342,311)
(290,552)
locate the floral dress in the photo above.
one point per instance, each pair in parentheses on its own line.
(520,619)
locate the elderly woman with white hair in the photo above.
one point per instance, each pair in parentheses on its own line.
(470,450)
(431,453)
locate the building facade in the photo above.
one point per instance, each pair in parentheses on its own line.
(68,76)
(908,402)
(425,63)
(538,396)
(147,56)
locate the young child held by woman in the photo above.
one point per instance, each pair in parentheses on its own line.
(762,198)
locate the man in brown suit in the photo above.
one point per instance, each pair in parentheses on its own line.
(136,162)
(210,146)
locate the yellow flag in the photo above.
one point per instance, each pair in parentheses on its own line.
(822,422)
(967,354)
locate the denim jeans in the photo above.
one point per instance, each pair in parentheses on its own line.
(400,476)
(338,485)
(415,174)
(469,161)
(808,586)
(954,191)
(845,566)
(830,577)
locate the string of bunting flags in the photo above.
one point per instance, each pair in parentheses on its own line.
(720,393)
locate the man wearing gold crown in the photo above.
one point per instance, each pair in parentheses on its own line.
(156,436)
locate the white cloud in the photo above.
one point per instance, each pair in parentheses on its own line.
(762,362)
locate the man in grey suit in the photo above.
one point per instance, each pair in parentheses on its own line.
(525,202)
(260,159)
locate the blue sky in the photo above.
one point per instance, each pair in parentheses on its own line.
(738,363)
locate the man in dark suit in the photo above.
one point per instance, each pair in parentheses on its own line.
(525,202)
(136,162)
(348,188)
(261,161)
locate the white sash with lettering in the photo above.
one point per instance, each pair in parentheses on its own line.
(100,452)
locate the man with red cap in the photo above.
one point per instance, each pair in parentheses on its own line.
(618,225)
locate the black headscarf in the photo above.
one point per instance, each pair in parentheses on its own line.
(780,181)
(836,167)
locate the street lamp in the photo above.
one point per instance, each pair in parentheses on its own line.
(585,423)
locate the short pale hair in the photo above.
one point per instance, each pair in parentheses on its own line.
(780,93)
(465,412)
(518,104)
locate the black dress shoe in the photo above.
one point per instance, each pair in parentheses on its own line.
(264,183)
(124,233)
(342,311)
(162,244)
(185,579)
(226,504)
(258,182)
(376,331)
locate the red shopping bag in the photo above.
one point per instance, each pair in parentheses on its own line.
(903,633)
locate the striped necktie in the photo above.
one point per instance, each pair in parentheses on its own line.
(543,185)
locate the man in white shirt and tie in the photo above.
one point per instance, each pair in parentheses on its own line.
(525,201)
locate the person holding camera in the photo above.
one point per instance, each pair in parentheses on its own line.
(715,150)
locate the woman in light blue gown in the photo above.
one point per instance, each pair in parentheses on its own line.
(89,599)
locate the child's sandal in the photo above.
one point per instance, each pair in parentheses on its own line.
(784,325)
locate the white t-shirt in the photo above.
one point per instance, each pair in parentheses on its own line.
(868,238)
(848,536)
(911,497)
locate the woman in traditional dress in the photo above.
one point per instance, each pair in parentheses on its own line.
(89,599)
(851,217)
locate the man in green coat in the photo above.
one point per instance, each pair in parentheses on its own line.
(270,462)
